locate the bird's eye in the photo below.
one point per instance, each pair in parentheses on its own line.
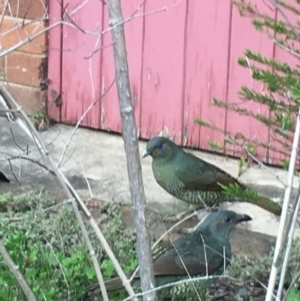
(160,146)
(227,219)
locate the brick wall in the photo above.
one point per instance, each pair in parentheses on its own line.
(24,70)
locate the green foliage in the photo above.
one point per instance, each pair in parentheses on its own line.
(259,268)
(38,114)
(50,275)
(241,162)
(201,122)
(294,295)
(234,190)
(281,82)
(285,164)
(49,249)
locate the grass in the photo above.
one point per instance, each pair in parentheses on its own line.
(51,254)
(49,249)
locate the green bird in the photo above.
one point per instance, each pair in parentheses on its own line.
(3,178)
(199,253)
(193,180)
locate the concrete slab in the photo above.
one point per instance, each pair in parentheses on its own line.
(100,157)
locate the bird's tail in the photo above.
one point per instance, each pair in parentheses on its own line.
(264,203)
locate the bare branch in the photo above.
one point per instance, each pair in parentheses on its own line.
(15,270)
(70,191)
(280,237)
(132,149)
(81,119)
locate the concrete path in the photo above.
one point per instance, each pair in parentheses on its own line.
(100,157)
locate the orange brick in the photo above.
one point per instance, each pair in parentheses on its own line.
(12,32)
(23,68)
(29,9)
(31,99)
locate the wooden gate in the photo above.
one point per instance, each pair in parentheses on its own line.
(181,54)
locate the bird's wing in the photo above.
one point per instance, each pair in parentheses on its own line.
(196,174)
(173,262)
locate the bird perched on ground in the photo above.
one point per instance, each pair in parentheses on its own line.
(198,253)
(193,180)
(3,178)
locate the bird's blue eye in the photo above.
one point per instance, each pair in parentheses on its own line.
(227,219)
(160,146)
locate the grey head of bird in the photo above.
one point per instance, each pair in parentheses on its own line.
(222,222)
(161,147)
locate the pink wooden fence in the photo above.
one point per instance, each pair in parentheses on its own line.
(179,59)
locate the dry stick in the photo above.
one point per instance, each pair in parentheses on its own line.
(186,269)
(288,250)
(94,226)
(280,237)
(101,238)
(277,7)
(63,180)
(286,49)
(132,150)
(61,267)
(14,269)
(261,164)
(188,280)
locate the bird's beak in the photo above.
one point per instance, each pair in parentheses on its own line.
(245,218)
(145,153)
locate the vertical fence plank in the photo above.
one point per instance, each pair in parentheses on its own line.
(282,56)
(110,115)
(163,69)
(179,59)
(54,58)
(206,70)
(244,36)
(80,73)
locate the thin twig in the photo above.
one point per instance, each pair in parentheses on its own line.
(256,160)
(80,120)
(297,55)
(295,279)
(205,255)
(70,191)
(280,237)
(60,267)
(186,269)
(86,180)
(288,250)
(161,237)
(17,157)
(13,136)
(188,280)
(277,7)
